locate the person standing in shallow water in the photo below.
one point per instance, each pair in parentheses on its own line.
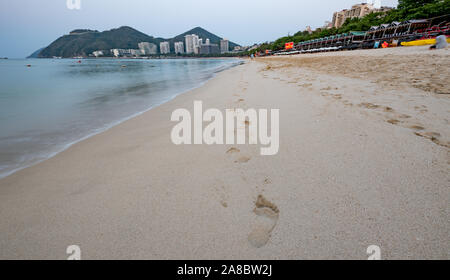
(441,43)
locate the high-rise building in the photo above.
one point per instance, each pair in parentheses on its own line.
(189,44)
(209,48)
(164,47)
(148,48)
(196,43)
(224,46)
(357,11)
(192,44)
(179,47)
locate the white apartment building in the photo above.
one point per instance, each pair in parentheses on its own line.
(189,44)
(116,52)
(164,47)
(192,44)
(125,52)
(357,11)
(224,46)
(98,53)
(197,43)
(148,48)
(179,47)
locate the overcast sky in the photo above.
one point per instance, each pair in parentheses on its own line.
(27,25)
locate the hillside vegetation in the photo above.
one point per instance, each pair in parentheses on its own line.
(407,9)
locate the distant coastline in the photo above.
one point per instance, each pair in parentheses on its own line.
(128,42)
(138,58)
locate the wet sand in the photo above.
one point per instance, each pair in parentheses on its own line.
(364,160)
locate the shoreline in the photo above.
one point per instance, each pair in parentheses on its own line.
(345,177)
(136,58)
(115,123)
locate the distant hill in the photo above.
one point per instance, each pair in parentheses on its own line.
(81,31)
(36,53)
(82,42)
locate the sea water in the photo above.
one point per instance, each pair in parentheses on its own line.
(55,103)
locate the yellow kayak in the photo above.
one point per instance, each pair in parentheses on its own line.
(422,42)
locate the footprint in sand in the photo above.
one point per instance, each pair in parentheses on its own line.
(233,150)
(369,105)
(242,160)
(224,197)
(404,116)
(308,85)
(329,88)
(433,136)
(347,103)
(388,109)
(267,215)
(430,135)
(417,127)
(393,121)
(421,109)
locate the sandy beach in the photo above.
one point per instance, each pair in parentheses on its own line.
(364,160)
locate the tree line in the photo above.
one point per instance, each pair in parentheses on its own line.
(406,10)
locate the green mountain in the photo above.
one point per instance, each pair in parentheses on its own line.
(82,42)
(36,53)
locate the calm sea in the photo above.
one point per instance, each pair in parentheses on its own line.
(53,104)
